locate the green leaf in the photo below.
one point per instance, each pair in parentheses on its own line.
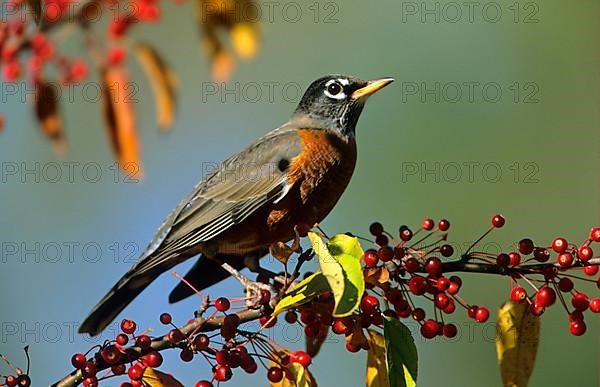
(340,263)
(305,291)
(402,358)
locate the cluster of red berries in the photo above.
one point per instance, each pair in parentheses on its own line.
(558,283)
(416,268)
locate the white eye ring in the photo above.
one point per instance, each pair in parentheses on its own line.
(335,95)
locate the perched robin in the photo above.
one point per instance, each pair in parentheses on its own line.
(292,175)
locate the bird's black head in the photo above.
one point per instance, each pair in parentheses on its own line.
(336,101)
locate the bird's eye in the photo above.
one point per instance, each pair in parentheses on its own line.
(333,89)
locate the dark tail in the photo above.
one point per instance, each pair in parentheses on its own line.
(115,301)
(205,272)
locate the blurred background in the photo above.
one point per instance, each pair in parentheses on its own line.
(494,109)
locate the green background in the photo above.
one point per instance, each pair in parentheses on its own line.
(552,142)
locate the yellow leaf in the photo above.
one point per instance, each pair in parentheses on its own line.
(155,378)
(517,337)
(301,376)
(245,39)
(305,291)
(340,263)
(162,81)
(377,371)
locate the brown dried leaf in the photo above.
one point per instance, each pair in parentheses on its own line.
(281,251)
(314,344)
(376,275)
(162,81)
(120,119)
(46,111)
(357,337)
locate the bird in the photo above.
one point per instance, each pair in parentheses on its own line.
(293,175)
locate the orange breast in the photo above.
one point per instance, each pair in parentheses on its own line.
(319,176)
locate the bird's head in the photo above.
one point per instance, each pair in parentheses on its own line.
(335,102)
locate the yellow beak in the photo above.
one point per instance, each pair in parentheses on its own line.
(372,87)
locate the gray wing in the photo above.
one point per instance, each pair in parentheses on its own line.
(225,197)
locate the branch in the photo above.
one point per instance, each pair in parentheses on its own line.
(199,324)
(466,266)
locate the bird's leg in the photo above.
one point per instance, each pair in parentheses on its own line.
(253,264)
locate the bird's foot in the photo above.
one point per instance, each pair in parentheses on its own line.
(254,289)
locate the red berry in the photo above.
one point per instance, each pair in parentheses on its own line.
(444,225)
(565,259)
(441,300)
(312,330)
(143,341)
(79,70)
(580,301)
(92,381)
(482,314)
(429,329)
(595,234)
(385,253)
(559,245)
(122,339)
(590,270)
(232,320)
(382,240)
(222,373)
(515,258)
(371,258)
(369,304)
(433,266)
(427,224)
(518,294)
(165,318)
(116,56)
(541,254)
(450,308)
(274,374)
(291,317)
(118,369)
(201,341)
(222,304)
(450,330)
(411,265)
(203,383)
(406,234)
(545,296)
(78,361)
(89,369)
(595,305)
(186,355)
(498,221)
(418,314)
(135,372)
(502,260)
(153,359)
(525,246)
(302,358)
(376,228)
(128,326)
(443,284)
(585,253)
(175,336)
(417,285)
(446,250)
(577,328)
(268,321)
(11,381)
(11,71)
(565,285)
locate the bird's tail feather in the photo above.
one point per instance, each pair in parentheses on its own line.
(115,301)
